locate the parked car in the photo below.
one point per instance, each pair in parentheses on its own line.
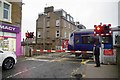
(7,59)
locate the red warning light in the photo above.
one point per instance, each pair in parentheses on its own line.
(98,28)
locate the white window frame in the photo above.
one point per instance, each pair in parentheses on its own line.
(0,3)
(48,14)
(64,14)
(2,12)
(58,33)
(38,33)
(57,22)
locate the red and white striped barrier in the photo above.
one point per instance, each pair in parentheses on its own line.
(53,51)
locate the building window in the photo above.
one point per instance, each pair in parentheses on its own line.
(0,3)
(57,23)
(64,14)
(9,34)
(57,33)
(65,23)
(72,27)
(6,11)
(65,35)
(48,15)
(68,17)
(1,33)
(38,35)
(47,34)
(0,10)
(48,23)
(69,25)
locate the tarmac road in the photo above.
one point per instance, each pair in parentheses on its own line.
(57,65)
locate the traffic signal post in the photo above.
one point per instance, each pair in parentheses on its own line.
(29,35)
(29,39)
(100,31)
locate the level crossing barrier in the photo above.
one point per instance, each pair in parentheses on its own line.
(54,51)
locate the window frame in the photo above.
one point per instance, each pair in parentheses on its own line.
(48,23)
(0,3)
(86,42)
(58,33)
(38,34)
(9,12)
(106,38)
(57,22)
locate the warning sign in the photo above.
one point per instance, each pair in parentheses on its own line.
(108,52)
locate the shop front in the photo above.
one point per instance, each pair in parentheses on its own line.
(10,38)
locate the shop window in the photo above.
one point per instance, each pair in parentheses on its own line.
(1,33)
(9,34)
(1,42)
(8,44)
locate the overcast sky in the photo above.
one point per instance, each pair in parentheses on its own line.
(87,12)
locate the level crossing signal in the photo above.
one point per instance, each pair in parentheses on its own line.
(102,29)
(98,29)
(29,35)
(106,28)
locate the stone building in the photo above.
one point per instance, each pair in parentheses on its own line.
(53,28)
(10,25)
(119,13)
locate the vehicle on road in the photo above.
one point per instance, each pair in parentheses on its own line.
(7,59)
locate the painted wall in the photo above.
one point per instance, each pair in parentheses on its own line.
(18,44)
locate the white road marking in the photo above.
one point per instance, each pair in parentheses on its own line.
(37,59)
(20,72)
(75,71)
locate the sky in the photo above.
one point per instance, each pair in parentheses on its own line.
(87,12)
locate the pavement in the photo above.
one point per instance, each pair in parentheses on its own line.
(109,71)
